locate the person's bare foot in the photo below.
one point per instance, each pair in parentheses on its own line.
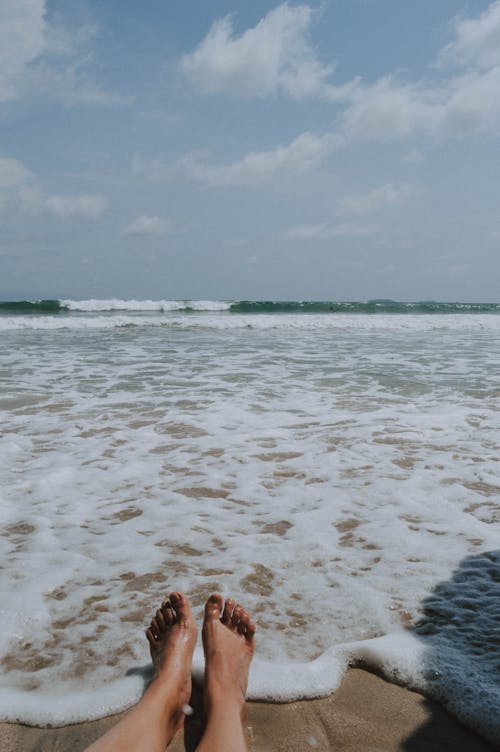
(172,639)
(228,644)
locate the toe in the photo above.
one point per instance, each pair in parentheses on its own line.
(181,607)
(242,624)
(228,612)
(235,618)
(150,636)
(246,626)
(154,627)
(168,613)
(160,620)
(213,607)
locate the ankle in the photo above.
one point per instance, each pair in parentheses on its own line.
(221,697)
(173,696)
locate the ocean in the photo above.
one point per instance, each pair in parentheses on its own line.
(334,466)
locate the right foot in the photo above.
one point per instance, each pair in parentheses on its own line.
(172,639)
(228,645)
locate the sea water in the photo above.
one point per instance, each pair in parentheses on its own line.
(332,466)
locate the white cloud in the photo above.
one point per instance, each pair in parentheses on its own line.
(461,104)
(275,55)
(18,189)
(379,198)
(477,40)
(325,230)
(300,155)
(21,193)
(87,207)
(147,225)
(389,110)
(473,104)
(22,39)
(39,57)
(13,174)
(303,153)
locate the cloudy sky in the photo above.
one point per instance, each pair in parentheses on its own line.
(345,149)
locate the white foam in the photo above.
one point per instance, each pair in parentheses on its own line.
(443,674)
(117,304)
(331,475)
(63,708)
(203,318)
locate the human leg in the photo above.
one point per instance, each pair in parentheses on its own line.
(150,725)
(228,643)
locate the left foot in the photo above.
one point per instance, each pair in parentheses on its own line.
(172,639)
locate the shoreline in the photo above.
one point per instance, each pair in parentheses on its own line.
(366,714)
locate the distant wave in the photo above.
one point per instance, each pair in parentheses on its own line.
(64,306)
(372,306)
(113,304)
(116,304)
(28,306)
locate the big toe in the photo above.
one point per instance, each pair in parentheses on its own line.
(213,607)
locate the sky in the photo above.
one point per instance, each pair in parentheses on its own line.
(335,150)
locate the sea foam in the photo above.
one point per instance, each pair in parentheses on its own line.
(338,474)
(116,304)
(203,318)
(467,687)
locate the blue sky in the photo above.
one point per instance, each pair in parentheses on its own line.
(347,149)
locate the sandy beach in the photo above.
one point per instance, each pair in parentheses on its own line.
(367,714)
(250,345)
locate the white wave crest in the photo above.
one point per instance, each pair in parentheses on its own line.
(117,304)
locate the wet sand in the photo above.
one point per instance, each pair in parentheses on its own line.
(367,714)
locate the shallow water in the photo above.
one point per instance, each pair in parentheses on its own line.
(329,471)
